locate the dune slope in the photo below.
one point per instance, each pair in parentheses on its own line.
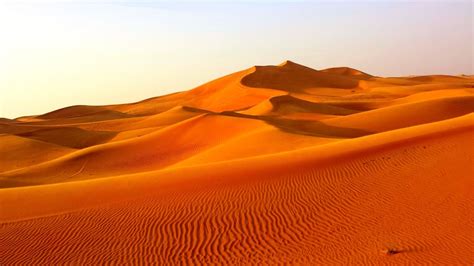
(273,164)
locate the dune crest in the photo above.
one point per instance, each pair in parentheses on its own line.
(347,71)
(293,77)
(268,165)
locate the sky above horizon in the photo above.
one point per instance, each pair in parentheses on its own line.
(55,54)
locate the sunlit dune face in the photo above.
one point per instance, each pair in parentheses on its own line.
(272,164)
(55,54)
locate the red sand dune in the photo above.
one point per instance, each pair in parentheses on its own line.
(273,164)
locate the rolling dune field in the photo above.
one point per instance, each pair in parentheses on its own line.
(272,165)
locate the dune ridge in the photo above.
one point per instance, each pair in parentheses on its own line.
(272,164)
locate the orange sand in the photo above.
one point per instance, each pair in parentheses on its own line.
(273,164)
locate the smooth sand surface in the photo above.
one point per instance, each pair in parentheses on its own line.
(273,164)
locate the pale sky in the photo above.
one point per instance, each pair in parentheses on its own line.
(60,53)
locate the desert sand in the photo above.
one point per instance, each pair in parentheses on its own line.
(272,164)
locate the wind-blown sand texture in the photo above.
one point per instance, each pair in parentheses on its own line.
(273,164)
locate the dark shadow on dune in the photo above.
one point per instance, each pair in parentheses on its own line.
(356,106)
(80,111)
(196,110)
(316,128)
(308,128)
(79,114)
(290,104)
(6,182)
(431,78)
(17,128)
(294,77)
(76,137)
(347,71)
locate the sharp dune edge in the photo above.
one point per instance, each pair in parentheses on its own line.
(273,164)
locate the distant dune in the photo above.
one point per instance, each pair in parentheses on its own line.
(272,164)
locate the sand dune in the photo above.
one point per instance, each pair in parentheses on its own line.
(69,136)
(148,152)
(273,164)
(405,115)
(347,71)
(18,152)
(286,104)
(290,76)
(88,112)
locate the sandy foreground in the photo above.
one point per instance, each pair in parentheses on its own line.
(273,164)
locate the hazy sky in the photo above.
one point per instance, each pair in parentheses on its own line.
(58,54)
